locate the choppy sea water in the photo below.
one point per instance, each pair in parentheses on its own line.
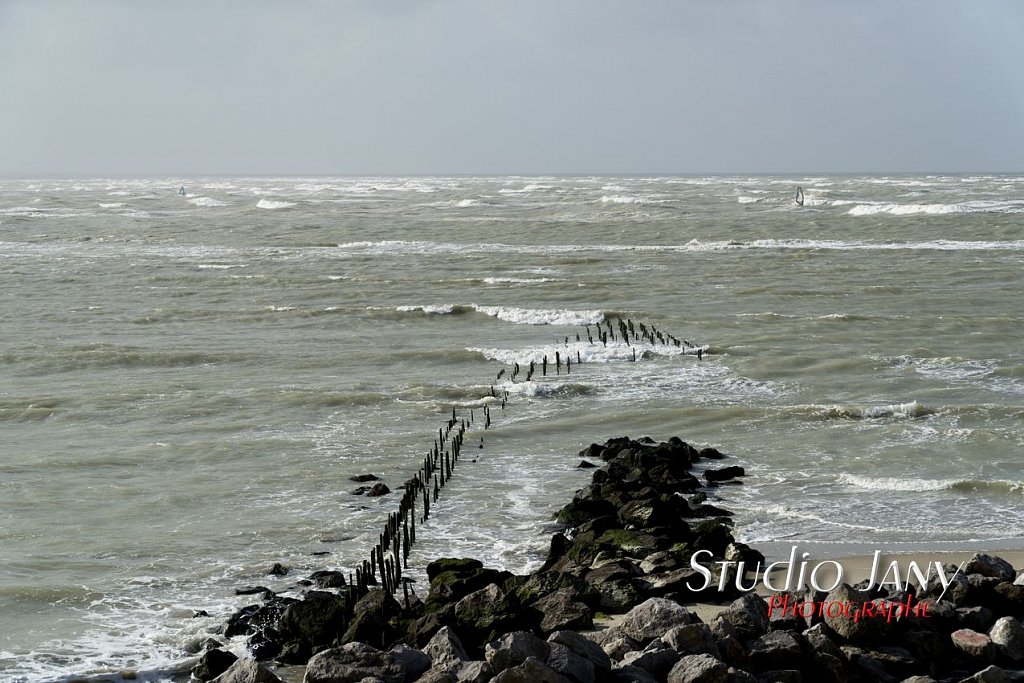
(187,382)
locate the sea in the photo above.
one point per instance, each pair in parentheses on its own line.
(191,369)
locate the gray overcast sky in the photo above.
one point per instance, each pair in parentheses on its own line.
(518,86)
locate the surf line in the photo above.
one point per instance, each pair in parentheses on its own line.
(390,555)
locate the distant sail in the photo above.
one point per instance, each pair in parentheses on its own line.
(182,191)
(799,196)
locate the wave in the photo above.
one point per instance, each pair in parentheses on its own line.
(587,353)
(914,484)
(441,309)
(418,248)
(112,205)
(517,280)
(541,316)
(979,206)
(273,204)
(211,202)
(911,409)
(519,316)
(621,199)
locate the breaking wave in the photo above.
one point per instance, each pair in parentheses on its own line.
(913,484)
(273,204)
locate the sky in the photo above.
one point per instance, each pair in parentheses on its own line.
(140,87)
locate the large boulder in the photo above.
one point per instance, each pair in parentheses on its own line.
(246,671)
(485,614)
(446,650)
(747,616)
(988,565)
(974,644)
(351,663)
(584,647)
(562,610)
(530,671)
(653,618)
(1008,636)
(698,669)
(514,648)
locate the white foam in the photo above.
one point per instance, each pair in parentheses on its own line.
(748,200)
(463,203)
(621,199)
(112,205)
(895,483)
(273,204)
(517,280)
(441,309)
(220,266)
(541,316)
(211,202)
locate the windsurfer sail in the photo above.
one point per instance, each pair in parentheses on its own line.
(799,196)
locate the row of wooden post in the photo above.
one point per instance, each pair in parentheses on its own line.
(390,556)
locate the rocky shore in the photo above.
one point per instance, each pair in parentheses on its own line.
(627,548)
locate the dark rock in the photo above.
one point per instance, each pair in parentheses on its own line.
(865,666)
(976,618)
(564,661)
(896,662)
(653,618)
(278,570)
(445,650)
(563,610)
(1011,599)
(657,659)
(484,615)
(993,674)
(781,676)
(775,650)
(361,478)
(361,491)
(580,510)
(583,647)
(457,566)
(710,454)
(254,590)
(593,451)
(821,642)
(847,624)
(474,672)
(988,565)
(247,671)
(698,669)
(328,579)
(632,674)
(661,561)
(379,489)
(724,474)
(530,671)
(414,662)
(617,596)
(352,663)
(585,465)
(747,615)
(314,620)
(212,664)
(514,648)
(692,639)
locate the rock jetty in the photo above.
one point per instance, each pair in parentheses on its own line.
(626,548)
